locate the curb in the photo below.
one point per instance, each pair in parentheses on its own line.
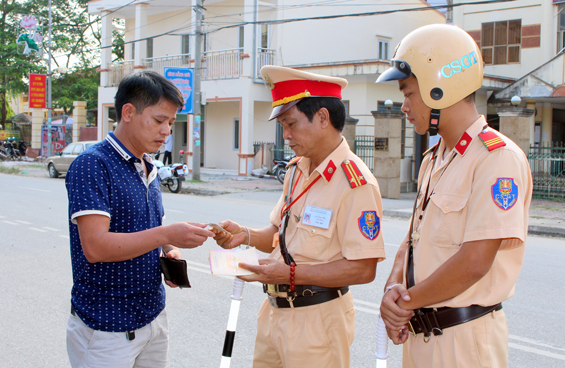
(532,229)
(546,231)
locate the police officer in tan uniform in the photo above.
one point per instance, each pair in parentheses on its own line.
(325,231)
(466,243)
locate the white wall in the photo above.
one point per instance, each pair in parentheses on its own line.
(531,12)
(219,135)
(348,38)
(263,129)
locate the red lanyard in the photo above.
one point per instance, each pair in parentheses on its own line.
(285,209)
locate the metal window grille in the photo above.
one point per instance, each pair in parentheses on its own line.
(365,149)
(547,163)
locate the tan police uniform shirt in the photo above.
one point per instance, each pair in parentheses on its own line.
(347,235)
(475,194)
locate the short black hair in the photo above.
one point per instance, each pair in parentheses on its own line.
(311,105)
(144,89)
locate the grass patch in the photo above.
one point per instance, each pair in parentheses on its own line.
(537,217)
(196,181)
(9,170)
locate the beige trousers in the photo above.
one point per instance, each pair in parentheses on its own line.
(481,343)
(314,336)
(88,348)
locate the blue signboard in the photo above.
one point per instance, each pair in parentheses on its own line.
(183,78)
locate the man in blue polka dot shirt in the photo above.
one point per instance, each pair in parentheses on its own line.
(118,316)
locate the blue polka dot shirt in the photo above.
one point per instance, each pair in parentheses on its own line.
(106,179)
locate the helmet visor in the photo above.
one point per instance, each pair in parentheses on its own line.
(398,70)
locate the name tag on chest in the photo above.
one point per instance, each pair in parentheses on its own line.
(317,216)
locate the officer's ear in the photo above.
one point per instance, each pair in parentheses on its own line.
(324,116)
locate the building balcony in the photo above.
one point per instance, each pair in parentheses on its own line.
(217,64)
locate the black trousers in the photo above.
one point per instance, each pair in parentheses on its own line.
(167,156)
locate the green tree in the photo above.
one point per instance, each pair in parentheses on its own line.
(78,85)
(74,45)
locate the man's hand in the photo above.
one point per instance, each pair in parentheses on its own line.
(268,271)
(394,317)
(174,252)
(187,234)
(398,336)
(237,235)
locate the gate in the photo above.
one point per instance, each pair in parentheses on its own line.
(365,149)
(548,171)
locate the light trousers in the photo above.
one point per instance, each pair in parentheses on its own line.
(88,348)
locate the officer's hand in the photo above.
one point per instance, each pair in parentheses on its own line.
(237,235)
(187,234)
(268,271)
(393,316)
(173,253)
(398,336)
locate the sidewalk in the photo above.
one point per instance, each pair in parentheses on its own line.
(547,217)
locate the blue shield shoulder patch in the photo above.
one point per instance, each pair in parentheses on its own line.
(369,224)
(504,193)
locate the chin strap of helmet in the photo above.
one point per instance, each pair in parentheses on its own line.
(434,122)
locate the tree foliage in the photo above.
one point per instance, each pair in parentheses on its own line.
(74,45)
(78,85)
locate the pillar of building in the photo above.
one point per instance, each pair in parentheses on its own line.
(349,132)
(250,38)
(36,124)
(140,34)
(532,106)
(515,123)
(246,136)
(547,125)
(106,50)
(388,143)
(79,118)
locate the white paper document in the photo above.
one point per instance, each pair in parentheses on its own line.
(225,262)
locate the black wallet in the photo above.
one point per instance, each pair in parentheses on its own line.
(175,271)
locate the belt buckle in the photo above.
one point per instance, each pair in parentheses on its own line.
(272,288)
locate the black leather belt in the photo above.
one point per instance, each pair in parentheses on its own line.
(317,297)
(431,321)
(301,290)
(130,335)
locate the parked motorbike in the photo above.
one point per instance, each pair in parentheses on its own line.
(172,175)
(279,170)
(9,152)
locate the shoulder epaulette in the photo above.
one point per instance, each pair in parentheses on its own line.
(293,162)
(353,174)
(491,140)
(430,149)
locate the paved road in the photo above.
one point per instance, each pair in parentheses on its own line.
(35,284)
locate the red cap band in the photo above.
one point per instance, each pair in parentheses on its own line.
(292,90)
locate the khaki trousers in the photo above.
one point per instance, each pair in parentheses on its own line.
(315,336)
(88,348)
(482,343)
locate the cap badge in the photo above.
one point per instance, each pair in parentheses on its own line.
(270,83)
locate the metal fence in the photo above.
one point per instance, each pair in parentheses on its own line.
(547,163)
(286,151)
(365,149)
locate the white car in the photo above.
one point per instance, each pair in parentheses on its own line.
(59,164)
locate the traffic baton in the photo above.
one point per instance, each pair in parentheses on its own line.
(382,343)
(236,299)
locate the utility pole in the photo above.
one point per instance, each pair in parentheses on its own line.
(197,109)
(49,153)
(449,12)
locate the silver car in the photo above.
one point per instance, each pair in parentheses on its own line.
(59,164)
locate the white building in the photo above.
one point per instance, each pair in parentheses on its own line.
(240,37)
(523,40)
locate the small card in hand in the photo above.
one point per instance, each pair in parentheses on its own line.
(174,270)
